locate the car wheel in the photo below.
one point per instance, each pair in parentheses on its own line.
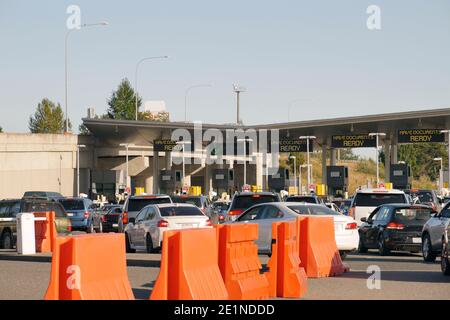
(445,263)
(127,245)
(361,247)
(149,244)
(100,227)
(427,250)
(7,240)
(382,249)
(343,254)
(91,228)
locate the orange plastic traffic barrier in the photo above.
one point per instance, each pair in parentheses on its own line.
(319,254)
(189,269)
(45,231)
(89,267)
(239,262)
(286,278)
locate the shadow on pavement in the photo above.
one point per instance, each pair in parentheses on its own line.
(402,276)
(143,263)
(16,257)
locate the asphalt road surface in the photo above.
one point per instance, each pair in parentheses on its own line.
(403,276)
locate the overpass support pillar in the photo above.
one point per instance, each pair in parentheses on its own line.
(332,157)
(155,172)
(394,150)
(387,160)
(324,163)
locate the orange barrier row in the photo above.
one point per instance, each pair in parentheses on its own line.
(239,262)
(286,278)
(45,231)
(319,254)
(89,267)
(190,258)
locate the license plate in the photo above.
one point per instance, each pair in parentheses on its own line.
(70,214)
(115,225)
(186,225)
(417,240)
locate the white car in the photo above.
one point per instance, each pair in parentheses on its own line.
(345,228)
(145,232)
(367,200)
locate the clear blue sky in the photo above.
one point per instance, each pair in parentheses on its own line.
(280,50)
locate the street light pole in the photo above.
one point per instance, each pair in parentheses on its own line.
(377,135)
(245,140)
(308,138)
(66,86)
(136,78)
(448,132)
(295,171)
(186,96)
(183,143)
(78,168)
(238,89)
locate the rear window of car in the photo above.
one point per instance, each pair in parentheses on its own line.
(302,199)
(313,210)
(221,206)
(423,196)
(247,201)
(72,204)
(139,203)
(412,215)
(45,207)
(190,200)
(180,211)
(378,199)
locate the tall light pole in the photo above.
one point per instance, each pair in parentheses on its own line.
(127,146)
(301,182)
(448,132)
(183,143)
(136,78)
(187,93)
(295,171)
(68,33)
(238,89)
(441,173)
(377,135)
(245,140)
(78,168)
(308,139)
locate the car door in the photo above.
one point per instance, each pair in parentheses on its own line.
(369,229)
(437,227)
(135,235)
(270,215)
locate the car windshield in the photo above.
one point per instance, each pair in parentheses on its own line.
(190,200)
(138,203)
(312,210)
(180,211)
(244,202)
(378,199)
(302,199)
(412,215)
(72,204)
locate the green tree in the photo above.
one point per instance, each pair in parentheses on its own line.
(420,158)
(1,129)
(122,103)
(48,118)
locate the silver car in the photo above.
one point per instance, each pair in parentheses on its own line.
(433,233)
(145,232)
(346,232)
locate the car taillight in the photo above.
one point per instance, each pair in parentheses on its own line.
(125,218)
(221,218)
(209,223)
(351,226)
(69,228)
(235,212)
(395,226)
(163,224)
(86,214)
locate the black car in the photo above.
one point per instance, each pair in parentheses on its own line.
(244,200)
(394,227)
(110,218)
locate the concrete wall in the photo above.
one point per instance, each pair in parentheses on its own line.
(42,162)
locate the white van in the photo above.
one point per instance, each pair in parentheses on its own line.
(366,200)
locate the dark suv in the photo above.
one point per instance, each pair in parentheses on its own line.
(244,200)
(10,208)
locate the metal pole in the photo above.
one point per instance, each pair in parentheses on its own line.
(66,80)
(307,161)
(245,162)
(237,116)
(295,173)
(78,171)
(126,147)
(300,191)
(184,168)
(448,162)
(378,170)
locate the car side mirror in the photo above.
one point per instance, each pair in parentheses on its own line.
(364,219)
(132,220)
